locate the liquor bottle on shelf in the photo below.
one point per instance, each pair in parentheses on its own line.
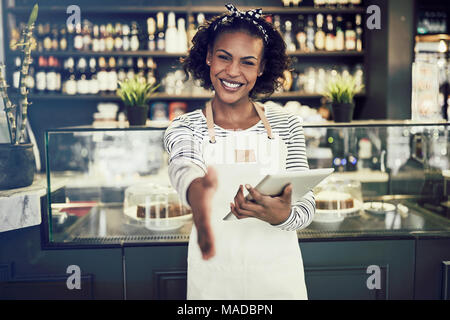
(310,32)
(102,75)
(16,73)
(54,37)
(287,36)
(87,39)
(319,37)
(330,34)
(342,3)
(140,69)
(300,35)
(15,37)
(331,3)
(40,75)
(118,37)
(80,76)
(319,3)
(126,37)
(191,30)
(39,37)
(171,33)
(160,42)
(109,40)
(200,19)
(63,43)
(350,37)
(70,37)
(182,36)
(70,85)
(68,68)
(78,38)
(151,67)
(121,74)
(92,76)
(47,41)
(50,75)
(95,38)
(130,68)
(277,23)
(112,75)
(29,80)
(134,40)
(355,3)
(57,66)
(358,33)
(340,37)
(151,30)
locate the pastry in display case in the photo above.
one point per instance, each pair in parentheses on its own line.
(336,199)
(156,207)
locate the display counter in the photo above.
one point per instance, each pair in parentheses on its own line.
(112,177)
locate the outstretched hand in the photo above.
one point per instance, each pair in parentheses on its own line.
(273,210)
(199,194)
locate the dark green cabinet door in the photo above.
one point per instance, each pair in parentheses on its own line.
(432,269)
(348,270)
(157,272)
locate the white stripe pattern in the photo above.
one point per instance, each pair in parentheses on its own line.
(183,141)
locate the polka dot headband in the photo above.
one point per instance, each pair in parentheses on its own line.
(250,15)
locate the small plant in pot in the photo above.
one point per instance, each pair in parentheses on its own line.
(135,94)
(340,91)
(17,161)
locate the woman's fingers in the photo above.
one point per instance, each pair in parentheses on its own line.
(206,241)
(239,213)
(256,196)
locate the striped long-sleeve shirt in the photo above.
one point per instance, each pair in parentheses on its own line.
(183,141)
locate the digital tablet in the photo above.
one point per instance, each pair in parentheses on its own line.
(302,182)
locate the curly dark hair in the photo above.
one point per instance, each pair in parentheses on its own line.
(274,56)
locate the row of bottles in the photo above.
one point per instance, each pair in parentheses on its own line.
(163,33)
(321,33)
(84,75)
(313,80)
(322,3)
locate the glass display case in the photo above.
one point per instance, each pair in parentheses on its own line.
(110,186)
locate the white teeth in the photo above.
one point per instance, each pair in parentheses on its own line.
(231,85)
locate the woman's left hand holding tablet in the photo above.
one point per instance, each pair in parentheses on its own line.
(273,210)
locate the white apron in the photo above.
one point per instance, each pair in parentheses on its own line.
(254,260)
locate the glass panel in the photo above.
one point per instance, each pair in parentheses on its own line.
(111,186)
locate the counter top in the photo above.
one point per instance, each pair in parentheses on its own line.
(107,225)
(21,207)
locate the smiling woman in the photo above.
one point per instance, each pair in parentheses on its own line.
(234,141)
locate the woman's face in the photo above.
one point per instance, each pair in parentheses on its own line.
(235,63)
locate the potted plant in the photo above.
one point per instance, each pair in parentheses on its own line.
(17,162)
(135,93)
(340,91)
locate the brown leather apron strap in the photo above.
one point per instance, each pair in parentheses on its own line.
(210,121)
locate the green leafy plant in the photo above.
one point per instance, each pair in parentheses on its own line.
(136,91)
(342,89)
(17,115)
